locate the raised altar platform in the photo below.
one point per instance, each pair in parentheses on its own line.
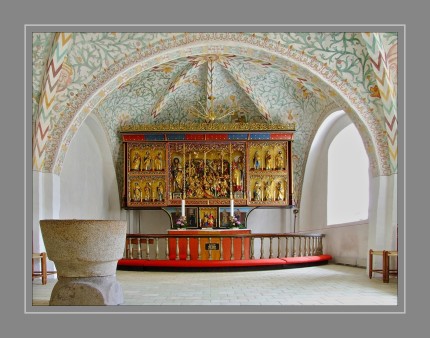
(247,264)
(221,249)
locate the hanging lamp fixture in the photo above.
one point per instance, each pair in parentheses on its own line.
(211,112)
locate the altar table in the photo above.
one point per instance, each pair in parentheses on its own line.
(210,247)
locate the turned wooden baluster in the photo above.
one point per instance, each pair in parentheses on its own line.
(243,248)
(147,248)
(261,248)
(286,247)
(177,249)
(199,250)
(279,247)
(251,249)
(270,248)
(130,249)
(156,249)
(221,250)
(300,247)
(304,247)
(139,253)
(231,248)
(167,249)
(188,249)
(293,249)
(315,246)
(320,246)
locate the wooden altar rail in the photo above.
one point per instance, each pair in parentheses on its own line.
(142,246)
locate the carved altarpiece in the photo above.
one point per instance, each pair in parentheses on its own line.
(250,164)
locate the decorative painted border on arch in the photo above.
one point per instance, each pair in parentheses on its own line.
(94,92)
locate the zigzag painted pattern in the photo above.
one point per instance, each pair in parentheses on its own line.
(385,86)
(209,83)
(47,98)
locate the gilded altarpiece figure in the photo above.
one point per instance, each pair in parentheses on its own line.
(268,175)
(202,172)
(146,176)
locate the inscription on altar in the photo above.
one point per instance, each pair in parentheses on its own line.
(212,246)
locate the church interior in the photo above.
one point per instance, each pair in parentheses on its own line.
(283,143)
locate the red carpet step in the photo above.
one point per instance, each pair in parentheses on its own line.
(288,262)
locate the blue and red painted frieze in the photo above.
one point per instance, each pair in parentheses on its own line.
(140,137)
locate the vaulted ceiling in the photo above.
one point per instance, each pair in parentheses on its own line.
(147,78)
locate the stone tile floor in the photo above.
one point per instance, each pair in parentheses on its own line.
(320,285)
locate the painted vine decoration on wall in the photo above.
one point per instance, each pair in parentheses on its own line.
(345,53)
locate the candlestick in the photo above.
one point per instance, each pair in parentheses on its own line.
(232,207)
(183,207)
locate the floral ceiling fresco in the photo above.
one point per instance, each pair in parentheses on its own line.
(147,78)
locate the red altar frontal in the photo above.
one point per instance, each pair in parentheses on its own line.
(214,245)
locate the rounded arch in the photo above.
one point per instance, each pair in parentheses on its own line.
(271,52)
(89,187)
(348,179)
(314,189)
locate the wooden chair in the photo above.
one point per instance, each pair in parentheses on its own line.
(392,253)
(371,269)
(386,271)
(43,272)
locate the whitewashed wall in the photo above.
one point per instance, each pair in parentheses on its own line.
(86,189)
(348,243)
(89,188)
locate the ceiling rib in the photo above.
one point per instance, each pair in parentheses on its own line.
(246,87)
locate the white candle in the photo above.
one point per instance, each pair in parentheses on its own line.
(232,208)
(183,207)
